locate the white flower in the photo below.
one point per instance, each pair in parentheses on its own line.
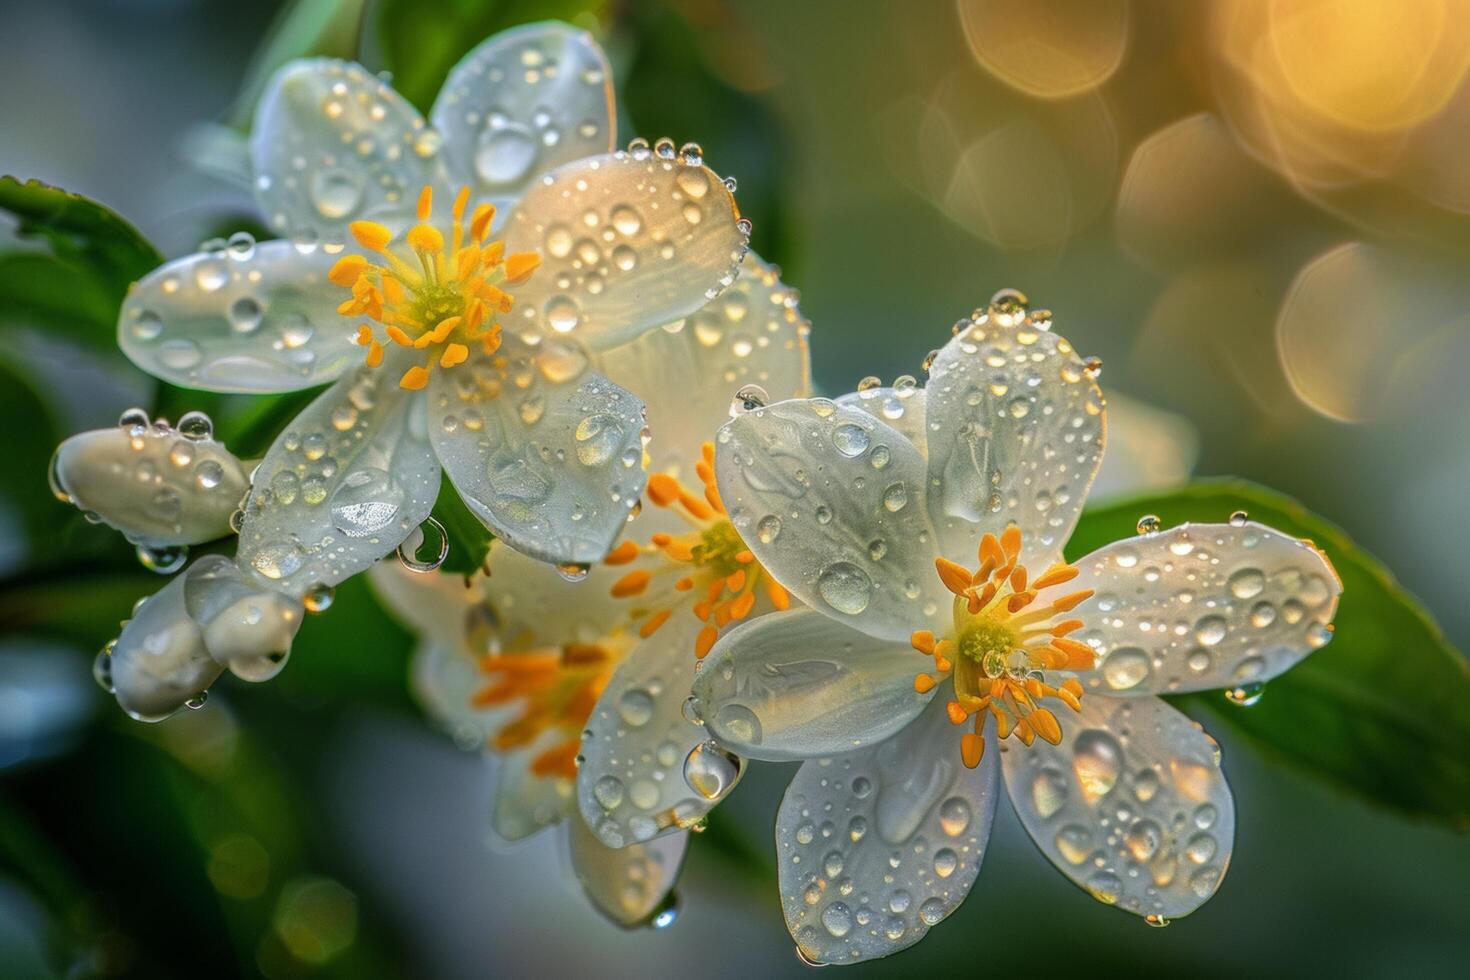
(873,510)
(525,661)
(449,345)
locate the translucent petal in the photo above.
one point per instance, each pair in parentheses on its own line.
(160,661)
(1015,436)
(794,685)
(900,408)
(628,243)
(626,884)
(344,484)
(333,144)
(830,499)
(1132,805)
(534,606)
(443,680)
(157,487)
(435,605)
(261,320)
(631,784)
(1202,606)
(876,846)
(246,628)
(547,453)
(522,102)
(752,333)
(1148,448)
(526,803)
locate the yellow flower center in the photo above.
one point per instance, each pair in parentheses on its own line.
(557,688)
(1006,647)
(710,561)
(428,294)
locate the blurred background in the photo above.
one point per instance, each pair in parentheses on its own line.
(1256,212)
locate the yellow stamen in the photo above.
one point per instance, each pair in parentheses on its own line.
(520,265)
(370,235)
(346,270)
(426,203)
(414,378)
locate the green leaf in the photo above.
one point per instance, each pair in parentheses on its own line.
(80,232)
(40,290)
(469,540)
(1383,712)
(421,40)
(28,448)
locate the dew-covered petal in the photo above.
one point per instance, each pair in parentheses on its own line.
(1203,606)
(1015,436)
(1131,805)
(333,144)
(344,484)
(246,628)
(876,846)
(157,486)
(526,803)
(830,499)
(160,661)
(261,318)
(628,242)
(690,370)
(534,606)
(902,408)
(626,884)
(547,453)
(795,685)
(637,780)
(523,102)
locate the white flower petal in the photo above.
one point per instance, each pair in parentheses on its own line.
(246,628)
(752,333)
(830,499)
(526,803)
(900,408)
(333,144)
(633,782)
(160,661)
(1132,805)
(876,846)
(1015,436)
(626,884)
(262,319)
(1202,606)
(525,101)
(156,486)
(628,243)
(535,607)
(794,685)
(344,484)
(545,452)
(436,605)
(443,680)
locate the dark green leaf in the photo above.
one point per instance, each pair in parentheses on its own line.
(469,540)
(1383,713)
(421,40)
(42,291)
(28,448)
(80,232)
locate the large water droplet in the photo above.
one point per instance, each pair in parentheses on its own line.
(505,154)
(710,771)
(598,438)
(845,587)
(366,502)
(335,193)
(1096,760)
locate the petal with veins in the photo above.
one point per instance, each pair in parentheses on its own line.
(876,846)
(546,453)
(627,243)
(221,321)
(522,102)
(1015,437)
(333,144)
(1131,805)
(631,784)
(839,495)
(752,333)
(1202,606)
(795,685)
(156,486)
(344,484)
(626,884)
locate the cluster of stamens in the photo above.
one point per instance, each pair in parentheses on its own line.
(558,688)
(434,296)
(1004,644)
(710,558)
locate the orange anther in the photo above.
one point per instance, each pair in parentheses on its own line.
(780,598)
(705,640)
(631,584)
(663,489)
(480,221)
(957,713)
(972,749)
(956,577)
(654,622)
(520,265)
(1010,542)
(735,581)
(922,641)
(370,235)
(414,379)
(346,270)
(426,203)
(923,683)
(374,354)
(741,607)
(625,552)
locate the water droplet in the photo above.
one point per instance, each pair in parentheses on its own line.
(1238,518)
(1008,307)
(692,710)
(667,914)
(573,571)
(318,598)
(895,496)
(711,771)
(1149,524)
(197,701)
(1096,760)
(1155,920)
(851,440)
(102,668)
(748,399)
(1245,695)
(1092,367)
(408,550)
(366,502)
(932,911)
(563,313)
(837,918)
(734,722)
(335,193)
(163,560)
(635,707)
(598,438)
(505,154)
(845,587)
(1210,630)
(1125,668)
(609,792)
(196,427)
(954,816)
(768,528)
(1247,583)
